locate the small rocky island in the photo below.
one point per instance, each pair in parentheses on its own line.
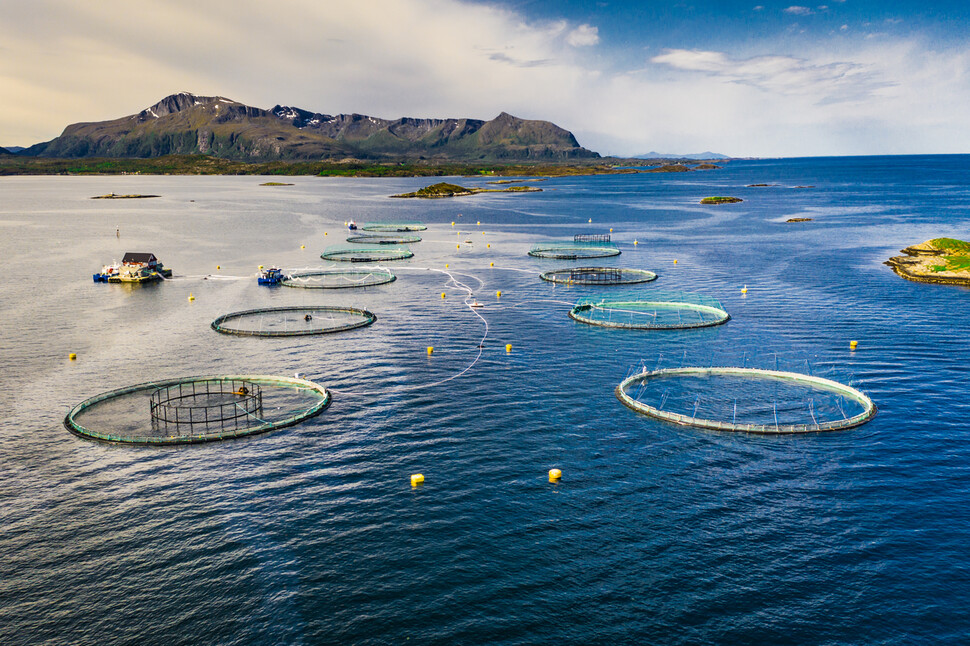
(798,220)
(721,200)
(115,196)
(444,189)
(940,260)
(276,184)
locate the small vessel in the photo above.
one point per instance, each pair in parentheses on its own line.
(352,225)
(271,276)
(106,272)
(475,304)
(134,268)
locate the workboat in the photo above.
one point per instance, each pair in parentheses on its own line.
(134,268)
(352,225)
(271,276)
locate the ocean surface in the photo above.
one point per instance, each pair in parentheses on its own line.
(655,533)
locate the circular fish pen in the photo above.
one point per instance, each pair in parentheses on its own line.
(746,400)
(384,239)
(293,321)
(338,278)
(573,250)
(662,311)
(598,276)
(393,227)
(197,409)
(354,253)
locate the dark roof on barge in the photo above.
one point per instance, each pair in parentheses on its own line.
(133,258)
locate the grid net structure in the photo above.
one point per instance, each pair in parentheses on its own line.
(659,311)
(383,239)
(598,276)
(338,278)
(591,237)
(293,321)
(191,410)
(393,227)
(748,400)
(573,250)
(356,253)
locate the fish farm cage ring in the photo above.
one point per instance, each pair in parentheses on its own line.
(338,278)
(853,397)
(598,276)
(293,321)
(393,227)
(192,410)
(354,253)
(384,239)
(572,250)
(675,312)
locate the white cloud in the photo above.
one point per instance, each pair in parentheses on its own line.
(583,36)
(796,10)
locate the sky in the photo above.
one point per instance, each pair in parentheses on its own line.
(746,79)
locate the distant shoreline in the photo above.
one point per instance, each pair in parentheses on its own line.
(208,165)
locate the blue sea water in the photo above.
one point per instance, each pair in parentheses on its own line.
(655,534)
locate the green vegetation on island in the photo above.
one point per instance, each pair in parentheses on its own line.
(940,260)
(115,196)
(444,189)
(276,184)
(721,200)
(798,220)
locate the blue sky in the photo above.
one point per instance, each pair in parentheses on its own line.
(743,78)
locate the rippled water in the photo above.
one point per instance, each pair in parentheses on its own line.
(655,534)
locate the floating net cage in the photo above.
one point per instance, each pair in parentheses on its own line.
(293,321)
(657,311)
(356,253)
(572,250)
(393,227)
(338,278)
(400,238)
(748,400)
(598,276)
(197,409)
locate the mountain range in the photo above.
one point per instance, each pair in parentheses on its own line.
(188,124)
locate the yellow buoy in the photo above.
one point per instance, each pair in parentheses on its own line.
(302,246)
(554,475)
(457,246)
(478,223)
(675,262)
(218,267)
(483,233)
(635,243)
(446,265)
(417,479)
(452,224)
(611,229)
(430,349)
(191,297)
(260,266)
(508,347)
(744,290)
(853,345)
(591,220)
(491,264)
(72,356)
(442,294)
(324,233)
(498,294)
(488,245)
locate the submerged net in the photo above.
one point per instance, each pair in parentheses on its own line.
(572,249)
(293,321)
(384,239)
(661,311)
(338,278)
(354,253)
(751,400)
(393,227)
(197,409)
(598,276)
